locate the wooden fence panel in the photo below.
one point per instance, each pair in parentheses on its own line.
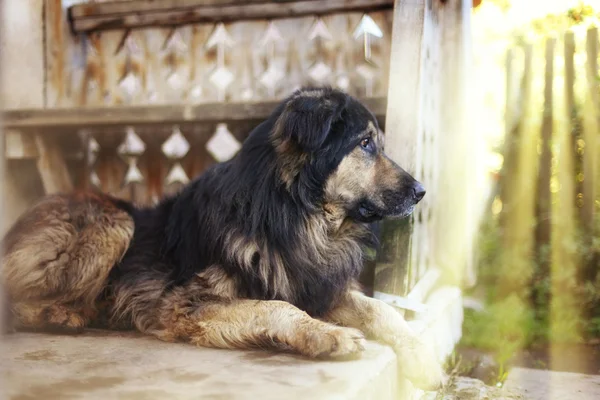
(236,61)
(551,144)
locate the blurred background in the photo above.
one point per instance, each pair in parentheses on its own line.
(538,254)
(493,104)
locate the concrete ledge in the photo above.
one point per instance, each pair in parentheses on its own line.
(440,327)
(107,365)
(111,365)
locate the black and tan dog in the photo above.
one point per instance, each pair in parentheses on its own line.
(261,251)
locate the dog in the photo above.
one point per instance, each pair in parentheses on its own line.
(261,251)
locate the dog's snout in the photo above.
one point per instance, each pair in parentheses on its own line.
(418,191)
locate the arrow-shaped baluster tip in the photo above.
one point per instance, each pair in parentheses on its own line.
(366,28)
(220,36)
(319,30)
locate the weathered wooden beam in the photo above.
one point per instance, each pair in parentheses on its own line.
(87,10)
(145,115)
(144,13)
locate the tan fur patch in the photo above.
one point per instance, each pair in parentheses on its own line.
(39,316)
(290,160)
(360,175)
(219,283)
(267,324)
(138,303)
(356,176)
(254,257)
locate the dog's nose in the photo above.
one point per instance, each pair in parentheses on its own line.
(418,191)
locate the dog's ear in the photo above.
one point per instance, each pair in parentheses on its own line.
(308,116)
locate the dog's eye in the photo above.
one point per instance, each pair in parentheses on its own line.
(365,143)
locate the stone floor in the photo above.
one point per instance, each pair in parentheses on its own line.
(464,388)
(552,385)
(102,365)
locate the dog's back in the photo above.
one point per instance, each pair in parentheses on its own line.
(57,256)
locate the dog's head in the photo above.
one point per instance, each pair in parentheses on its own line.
(326,138)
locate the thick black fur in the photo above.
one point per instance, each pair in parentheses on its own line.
(186,233)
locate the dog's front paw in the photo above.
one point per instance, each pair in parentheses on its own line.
(335,343)
(417,363)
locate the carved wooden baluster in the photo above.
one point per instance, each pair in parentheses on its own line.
(246,88)
(366,29)
(131,148)
(271,77)
(176,50)
(130,82)
(222,145)
(175,149)
(320,72)
(91,148)
(93,81)
(221,77)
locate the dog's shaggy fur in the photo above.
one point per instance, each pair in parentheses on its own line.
(261,251)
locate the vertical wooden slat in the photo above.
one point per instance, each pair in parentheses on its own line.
(519,217)
(454,195)
(401,137)
(2,211)
(591,152)
(572,115)
(110,167)
(426,139)
(544,195)
(85,183)
(54,53)
(564,307)
(517,108)
(590,157)
(569,53)
(511,136)
(154,168)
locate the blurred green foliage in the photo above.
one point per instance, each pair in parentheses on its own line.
(512,320)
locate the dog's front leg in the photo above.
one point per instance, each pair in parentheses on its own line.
(383,323)
(245,324)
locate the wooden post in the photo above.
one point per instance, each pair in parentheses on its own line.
(402,127)
(427,102)
(23,55)
(544,196)
(454,205)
